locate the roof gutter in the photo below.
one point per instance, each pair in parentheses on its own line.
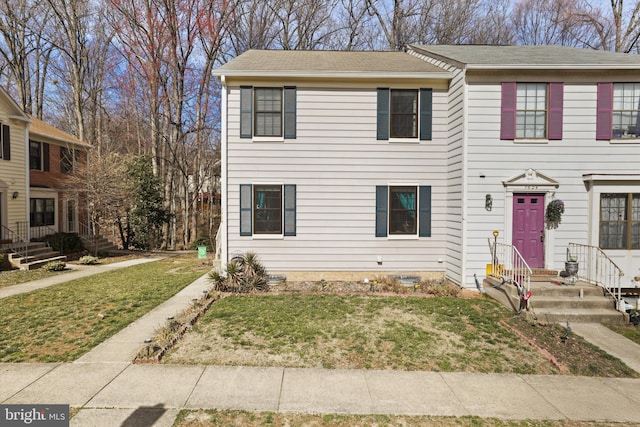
(551,67)
(335,75)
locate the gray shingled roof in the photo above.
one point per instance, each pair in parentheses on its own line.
(484,56)
(329,63)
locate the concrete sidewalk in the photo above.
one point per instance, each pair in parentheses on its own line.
(110,393)
(114,392)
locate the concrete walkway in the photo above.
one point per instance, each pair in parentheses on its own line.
(114,392)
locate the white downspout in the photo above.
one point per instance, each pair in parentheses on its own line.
(224,226)
(27,180)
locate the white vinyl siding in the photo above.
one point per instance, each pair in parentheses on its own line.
(336,162)
(491,162)
(13,175)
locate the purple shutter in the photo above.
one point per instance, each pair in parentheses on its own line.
(604,111)
(508,111)
(556,97)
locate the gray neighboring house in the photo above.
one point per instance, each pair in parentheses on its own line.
(357,164)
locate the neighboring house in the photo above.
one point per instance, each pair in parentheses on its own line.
(405,162)
(14,187)
(530,124)
(35,159)
(54,155)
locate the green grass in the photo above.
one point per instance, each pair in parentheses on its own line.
(60,323)
(630,331)
(14,277)
(380,332)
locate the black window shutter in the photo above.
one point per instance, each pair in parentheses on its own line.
(46,164)
(383,114)
(290,112)
(424,228)
(6,142)
(246,112)
(426,114)
(290,210)
(245,209)
(382,201)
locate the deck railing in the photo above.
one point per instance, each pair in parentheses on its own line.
(507,263)
(595,267)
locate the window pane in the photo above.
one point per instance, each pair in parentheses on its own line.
(626,110)
(267,209)
(268,114)
(403,210)
(404,114)
(531,114)
(635,221)
(613,220)
(35,158)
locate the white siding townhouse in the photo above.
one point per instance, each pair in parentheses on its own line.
(371,163)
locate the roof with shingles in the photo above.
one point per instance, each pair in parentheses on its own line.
(531,57)
(40,128)
(305,63)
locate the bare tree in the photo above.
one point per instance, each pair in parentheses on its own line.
(253,27)
(72,18)
(549,22)
(25,51)
(493,25)
(618,30)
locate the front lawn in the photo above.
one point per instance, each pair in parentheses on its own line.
(384,332)
(62,322)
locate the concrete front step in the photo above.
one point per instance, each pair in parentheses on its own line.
(552,303)
(606,316)
(573,302)
(40,262)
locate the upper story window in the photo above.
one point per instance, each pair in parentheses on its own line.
(531,111)
(618,111)
(67,160)
(35,155)
(38,156)
(5,143)
(626,97)
(268,112)
(620,221)
(404,114)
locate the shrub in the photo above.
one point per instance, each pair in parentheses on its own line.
(55,266)
(67,243)
(440,289)
(88,260)
(245,273)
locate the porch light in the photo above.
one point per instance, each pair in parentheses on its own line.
(488,202)
(15,195)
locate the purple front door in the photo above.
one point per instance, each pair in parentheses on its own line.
(528,228)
